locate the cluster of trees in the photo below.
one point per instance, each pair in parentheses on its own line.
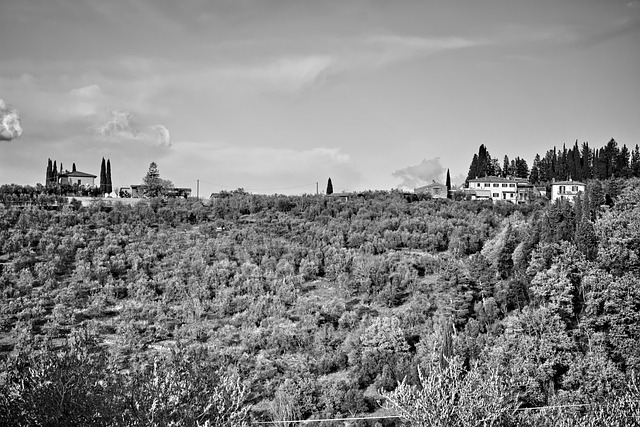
(579,163)
(583,163)
(303,307)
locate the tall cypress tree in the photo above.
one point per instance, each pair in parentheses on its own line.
(54,174)
(47,182)
(329,187)
(448,184)
(109,185)
(103,177)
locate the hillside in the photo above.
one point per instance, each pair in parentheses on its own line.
(273,308)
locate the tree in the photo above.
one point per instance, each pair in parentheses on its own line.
(154,185)
(108,176)
(103,177)
(49,177)
(448,184)
(329,187)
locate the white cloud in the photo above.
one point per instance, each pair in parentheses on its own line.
(121,127)
(10,127)
(420,174)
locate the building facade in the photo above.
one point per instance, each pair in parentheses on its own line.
(566,190)
(497,188)
(77,177)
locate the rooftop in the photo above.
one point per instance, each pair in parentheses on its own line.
(76,174)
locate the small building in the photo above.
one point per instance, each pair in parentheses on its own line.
(77,177)
(137,191)
(566,190)
(527,192)
(435,189)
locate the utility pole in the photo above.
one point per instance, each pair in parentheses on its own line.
(198,189)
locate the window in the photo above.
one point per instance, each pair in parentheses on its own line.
(478,184)
(504,185)
(79,182)
(512,185)
(511,195)
(561,190)
(486,184)
(574,188)
(496,195)
(496,185)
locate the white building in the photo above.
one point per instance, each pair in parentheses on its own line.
(495,188)
(566,190)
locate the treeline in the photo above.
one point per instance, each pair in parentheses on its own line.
(579,163)
(310,307)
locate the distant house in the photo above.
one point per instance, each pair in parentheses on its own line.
(341,196)
(435,189)
(566,190)
(77,177)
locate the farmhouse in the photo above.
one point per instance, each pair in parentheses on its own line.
(437,190)
(77,177)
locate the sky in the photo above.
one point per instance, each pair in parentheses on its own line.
(274,96)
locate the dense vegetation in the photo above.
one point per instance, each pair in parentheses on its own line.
(179,312)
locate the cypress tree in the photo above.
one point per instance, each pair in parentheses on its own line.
(47,182)
(73,167)
(54,175)
(103,177)
(109,186)
(329,187)
(448,184)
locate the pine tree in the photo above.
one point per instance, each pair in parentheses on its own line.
(109,185)
(103,177)
(448,184)
(329,187)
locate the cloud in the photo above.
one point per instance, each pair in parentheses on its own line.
(291,74)
(121,126)
(10,128)
(634,4)
(420,174)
